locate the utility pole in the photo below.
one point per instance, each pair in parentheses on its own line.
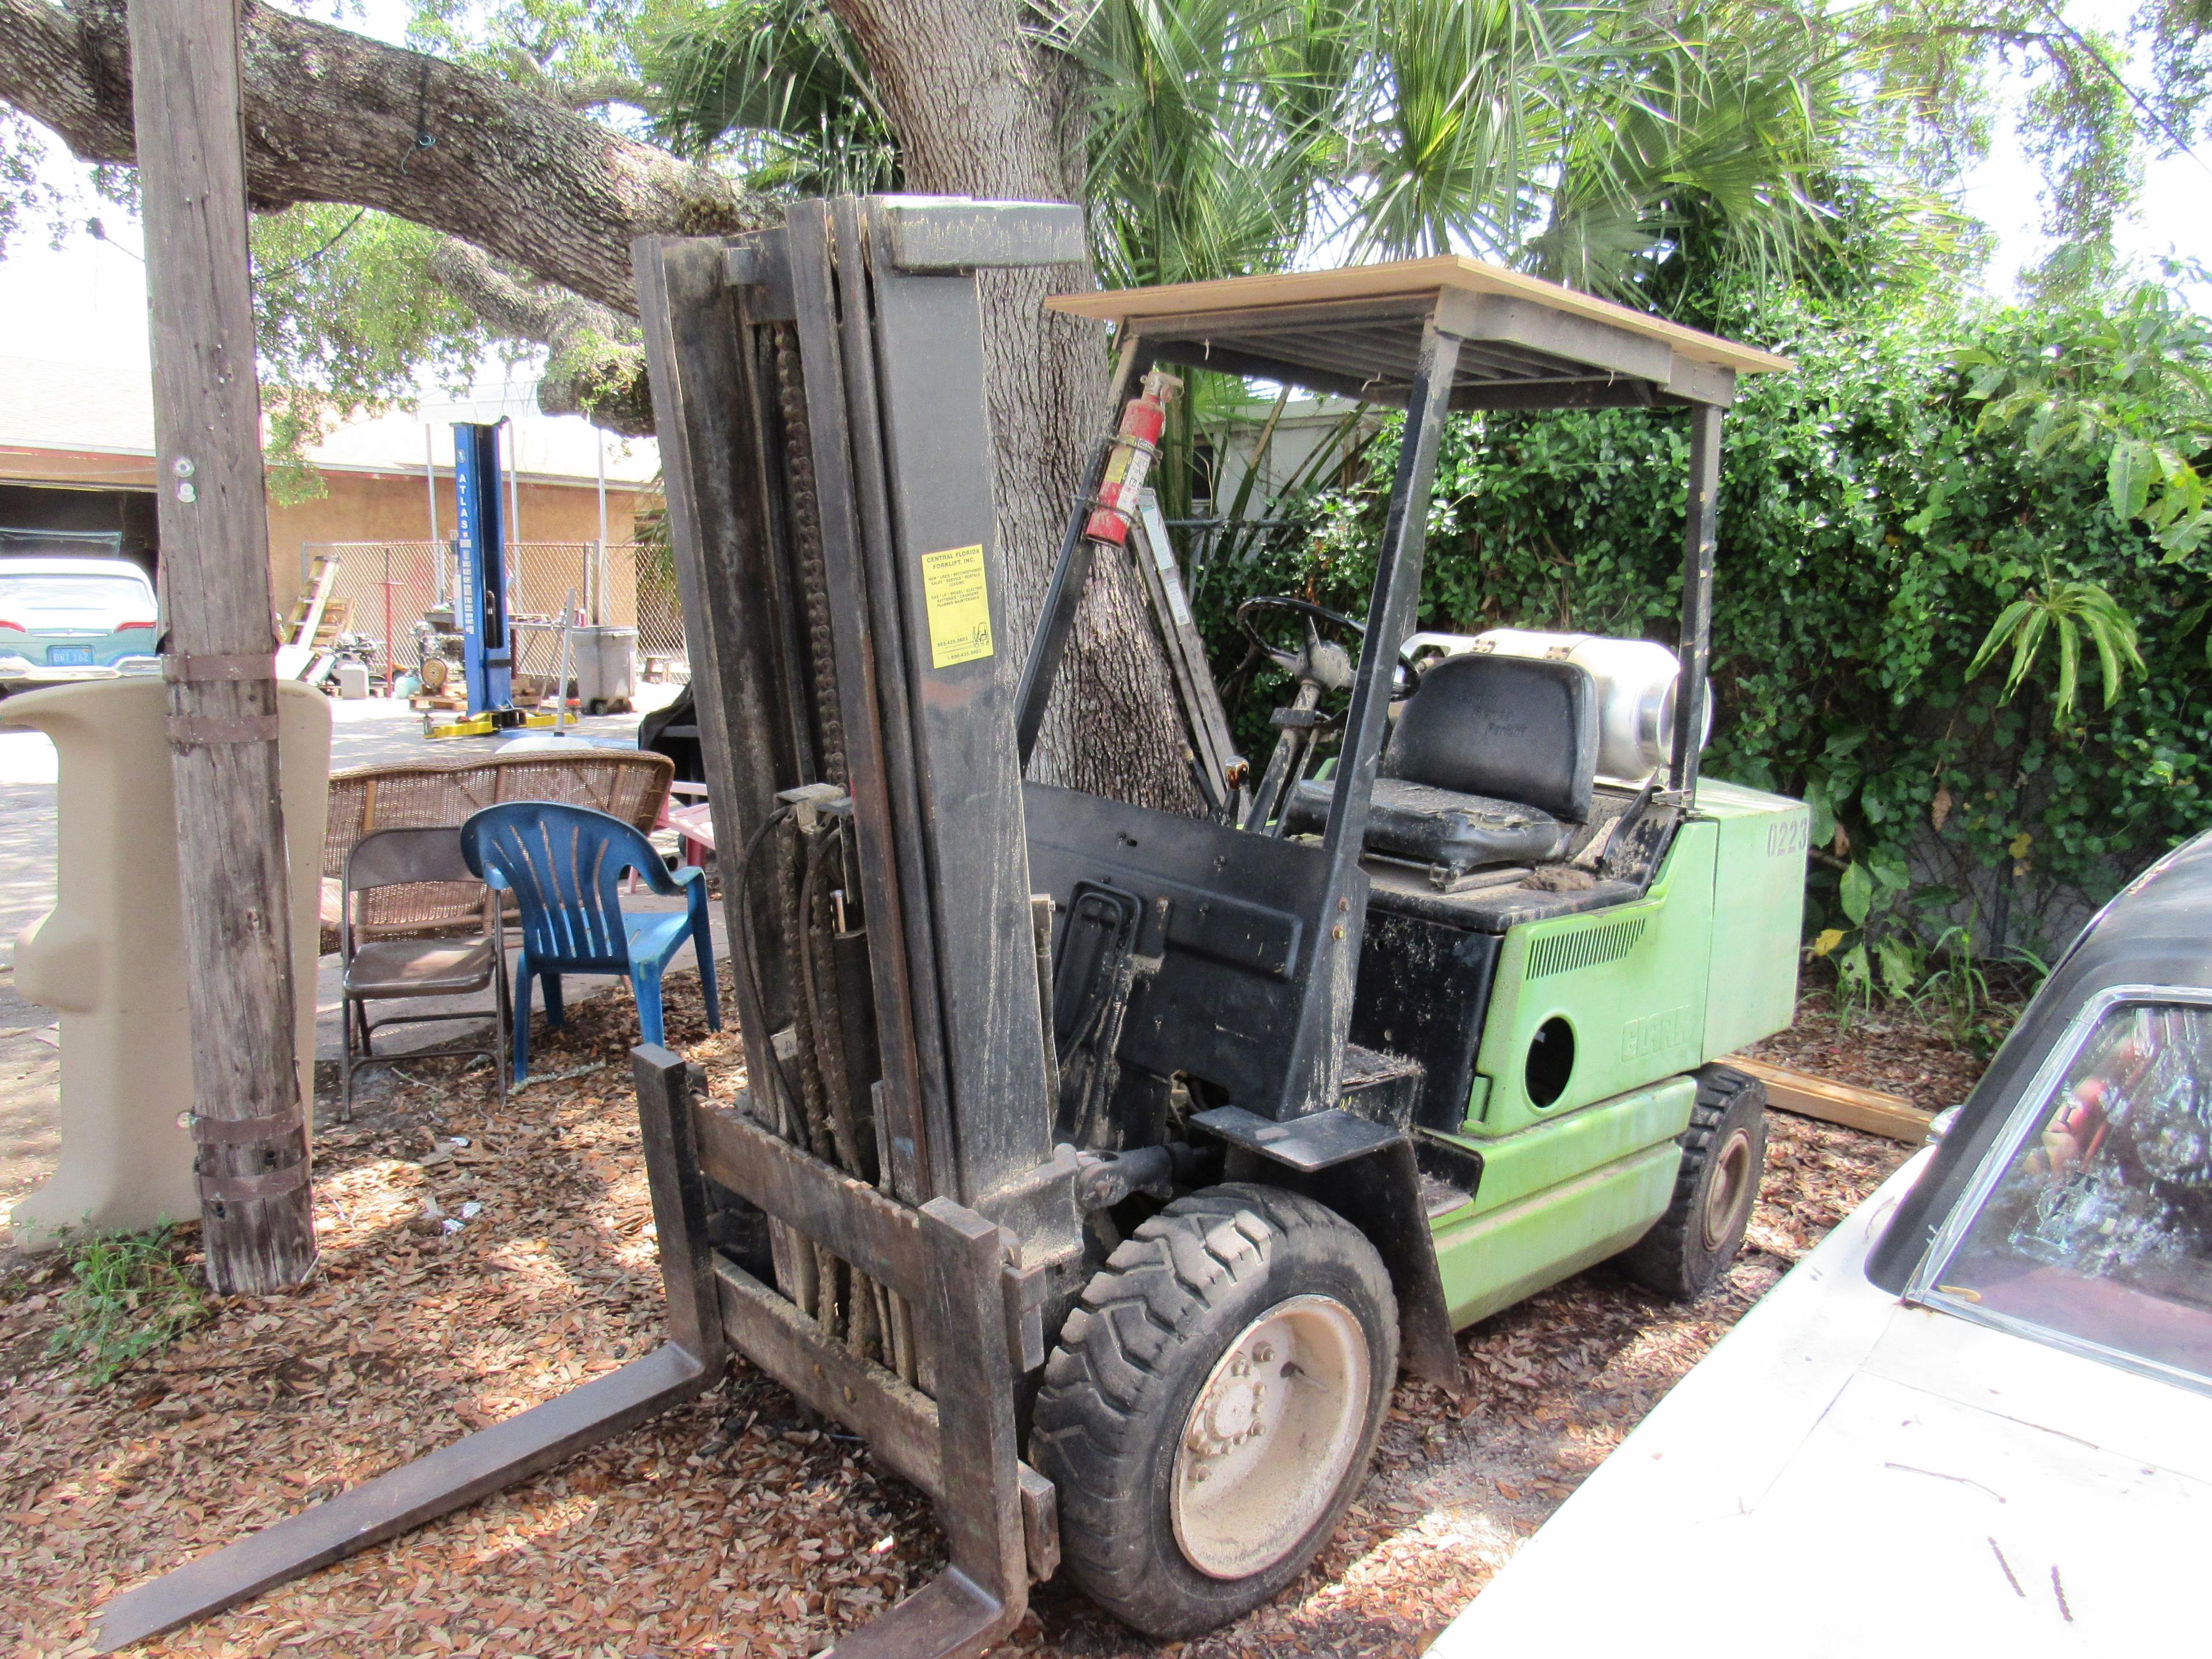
(249,1123)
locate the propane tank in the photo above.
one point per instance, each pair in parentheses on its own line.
(1131,460)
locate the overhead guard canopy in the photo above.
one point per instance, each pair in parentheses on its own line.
(1527,344)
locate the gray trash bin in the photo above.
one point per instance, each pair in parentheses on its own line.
(604,668)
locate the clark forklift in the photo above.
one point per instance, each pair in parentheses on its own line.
(1101,1166)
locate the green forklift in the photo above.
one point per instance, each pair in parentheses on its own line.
(1101,1166)
(1560,930)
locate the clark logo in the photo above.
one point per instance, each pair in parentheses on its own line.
(1654,1034)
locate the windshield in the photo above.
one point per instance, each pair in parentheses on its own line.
(2099,1227)
(95,600)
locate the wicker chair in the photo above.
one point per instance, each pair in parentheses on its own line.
(629,784)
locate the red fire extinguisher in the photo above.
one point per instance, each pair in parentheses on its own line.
(1134,445)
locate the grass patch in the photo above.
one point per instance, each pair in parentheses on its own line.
(133,1295)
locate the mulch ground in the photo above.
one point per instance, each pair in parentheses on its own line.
(729,1525)
(1932,1056)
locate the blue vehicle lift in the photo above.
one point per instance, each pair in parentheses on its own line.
(487,637)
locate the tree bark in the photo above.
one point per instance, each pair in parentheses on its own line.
(594,365)
(332,115)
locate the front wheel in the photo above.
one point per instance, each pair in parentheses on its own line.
(1212,1404)
(1723,1155)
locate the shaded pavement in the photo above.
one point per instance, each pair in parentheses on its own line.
(374,732)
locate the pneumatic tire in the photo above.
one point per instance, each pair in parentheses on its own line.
(1212,1404)
(1723,1153)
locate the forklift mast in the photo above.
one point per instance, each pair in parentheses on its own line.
(480,540)
(820,403)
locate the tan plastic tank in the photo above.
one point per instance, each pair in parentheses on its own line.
(109,957)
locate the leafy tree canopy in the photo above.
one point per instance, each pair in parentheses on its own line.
(1936,481)
(1622,145)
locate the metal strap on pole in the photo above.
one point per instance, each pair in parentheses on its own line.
(198,668)
(201,731)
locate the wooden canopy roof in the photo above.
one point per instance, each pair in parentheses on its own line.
(1525,344)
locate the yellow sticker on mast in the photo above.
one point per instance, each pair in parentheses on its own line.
(958,601)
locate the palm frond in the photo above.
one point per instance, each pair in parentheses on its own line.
(2065,610)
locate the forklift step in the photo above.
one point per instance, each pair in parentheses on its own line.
(1372,1068)
(1305,1143)
(1441,1198)
(1380,1087)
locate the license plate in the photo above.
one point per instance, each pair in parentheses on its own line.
(68,656)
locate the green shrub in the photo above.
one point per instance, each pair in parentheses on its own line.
(132,1295)
(1874,527)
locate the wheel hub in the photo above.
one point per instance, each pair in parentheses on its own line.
(1236,1410)
(1269,1436)
(1731,1189)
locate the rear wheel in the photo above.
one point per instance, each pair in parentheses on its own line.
(1212,1404)
(1723,1154)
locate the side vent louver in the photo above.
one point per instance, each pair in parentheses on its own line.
(1562,953)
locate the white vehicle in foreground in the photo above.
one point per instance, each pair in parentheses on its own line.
(1976,1419)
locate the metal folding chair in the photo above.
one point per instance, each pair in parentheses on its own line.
(385,967)
(564,866)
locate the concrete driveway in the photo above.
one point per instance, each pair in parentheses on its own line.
(363,733)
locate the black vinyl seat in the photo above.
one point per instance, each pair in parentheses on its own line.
(1494,761)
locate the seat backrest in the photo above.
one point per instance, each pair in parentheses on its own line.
(564,864)
(396,857)
(411,881)
(1513,728)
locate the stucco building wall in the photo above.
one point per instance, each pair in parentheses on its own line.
(74,489)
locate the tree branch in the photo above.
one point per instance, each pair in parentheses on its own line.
(589,93)
(598,89)
(332,115)
(595,367)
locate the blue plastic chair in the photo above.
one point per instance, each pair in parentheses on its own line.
(564,866)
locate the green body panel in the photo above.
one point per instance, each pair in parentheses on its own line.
(1629,981)
(1561,1195)
(1758,913)
(1705,962)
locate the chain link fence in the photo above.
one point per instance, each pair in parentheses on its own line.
(381,590)
(659,613)
(544,580)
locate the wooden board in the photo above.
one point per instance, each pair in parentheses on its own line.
(1407,277)
(1205,720)
(308,613)
(1838,1103)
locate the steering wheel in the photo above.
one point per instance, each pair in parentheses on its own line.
(1324,663)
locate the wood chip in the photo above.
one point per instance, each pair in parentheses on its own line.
(724,1527)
